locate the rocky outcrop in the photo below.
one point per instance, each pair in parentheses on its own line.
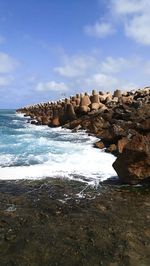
(133,164)
(116,119)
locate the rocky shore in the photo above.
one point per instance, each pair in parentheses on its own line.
(57,222)
(120,120)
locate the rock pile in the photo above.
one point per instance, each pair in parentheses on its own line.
(120,120)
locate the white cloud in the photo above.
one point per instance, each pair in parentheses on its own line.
(128,7)
(102,81)
(133,15)
(78,67)
(114,65)
(99,29)
(75,66)
(138,29)
(7,63)
(101,73)
(51,86)
(117,65)
(135,18)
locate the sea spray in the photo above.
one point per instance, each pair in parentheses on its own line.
(32,152)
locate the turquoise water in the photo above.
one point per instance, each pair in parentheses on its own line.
(29,151)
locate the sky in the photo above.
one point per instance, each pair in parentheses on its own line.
(50,49)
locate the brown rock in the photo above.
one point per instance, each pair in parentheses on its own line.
(45,120)
(85,100)
(121,144)
(55,122)
(112,148)
(127,100)
(133,164)
(117,93)
(84,109)
(70,113)
(99,145)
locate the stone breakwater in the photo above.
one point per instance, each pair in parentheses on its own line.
(120,120)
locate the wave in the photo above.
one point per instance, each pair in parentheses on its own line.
(88,163)
(30,152)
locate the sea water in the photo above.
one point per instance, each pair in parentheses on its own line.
(32,152)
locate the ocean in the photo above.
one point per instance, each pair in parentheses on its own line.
(34,152)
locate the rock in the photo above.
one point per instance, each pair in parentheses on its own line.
(133,164)
(85,100)
(117,94)
(121,144)
(95,102)
(84,103)
(76,128)
(73,124)
(33,122)
(78,99)
(127,100)
(55,122)
(45,120)
(84,109)
(145,125)
(99,145)
(112,149)
(39,120)
(70,113)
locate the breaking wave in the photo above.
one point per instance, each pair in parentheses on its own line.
(31,152)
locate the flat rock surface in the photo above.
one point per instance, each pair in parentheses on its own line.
(59,222)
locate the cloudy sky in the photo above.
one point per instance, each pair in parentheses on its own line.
(55,48)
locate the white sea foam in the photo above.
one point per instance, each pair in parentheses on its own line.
(32,152)
(88,163)
(6,160)
(19,115)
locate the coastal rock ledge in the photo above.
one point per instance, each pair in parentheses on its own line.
(133,164)
(121,121)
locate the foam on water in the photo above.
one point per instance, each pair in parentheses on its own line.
(31,152)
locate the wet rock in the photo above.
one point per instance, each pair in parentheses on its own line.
(99,145)
(33,122)
(115,119)
(55,122)
(133,164)
(76,128)
(122,143)
(112,149)
(45,120)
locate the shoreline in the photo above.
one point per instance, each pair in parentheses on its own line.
(55,221)
(104,227)
(120,120)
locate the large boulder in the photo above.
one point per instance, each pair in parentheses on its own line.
(133,164)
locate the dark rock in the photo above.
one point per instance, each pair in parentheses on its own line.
(133,164)
(112,149)
(76,128)
(99,145)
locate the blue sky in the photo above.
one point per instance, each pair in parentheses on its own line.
(55,48)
